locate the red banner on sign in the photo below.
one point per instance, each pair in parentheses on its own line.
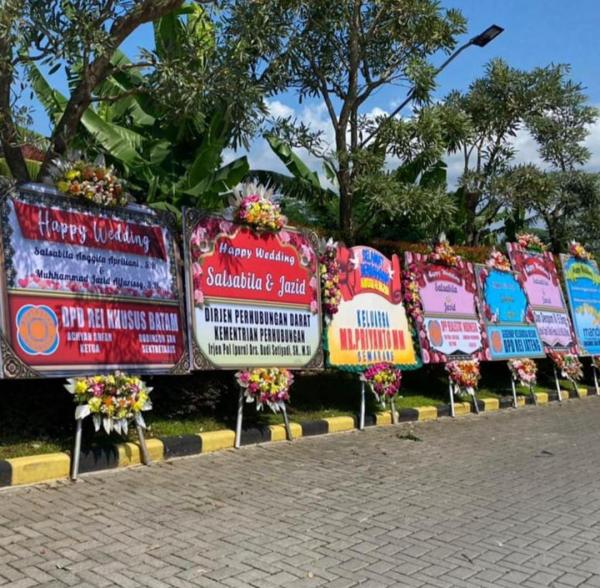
(49,331)
(258,267)
(61,226)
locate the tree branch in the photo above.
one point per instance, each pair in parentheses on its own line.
(99,69)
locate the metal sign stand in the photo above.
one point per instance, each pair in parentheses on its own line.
(240,418)
(514,392)
(393,411)
(288,430)
(595,372)
(451,392)
(557,384)
(143,449)
(576,388)
(532,394)
(361,417)
(77,447)
(472,393)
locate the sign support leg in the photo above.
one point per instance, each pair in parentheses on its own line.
(451,392)
(361,417)
(595,372)
(472,393)
(394,412)
(514,391)
(557,384)
(532,394)
(143,449)
(76,450)
(286,421)
(240,417)
(576,388)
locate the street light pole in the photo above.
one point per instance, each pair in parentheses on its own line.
(480,40)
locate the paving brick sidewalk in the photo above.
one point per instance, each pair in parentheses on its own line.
(505,499)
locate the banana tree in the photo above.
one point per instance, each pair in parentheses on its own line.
(167,161)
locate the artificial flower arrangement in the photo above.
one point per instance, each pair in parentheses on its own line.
(266,386)
(412,298)
(112,400)
(464,374)
(569,365)
(443,254)
(384,380)
(95,183)
(579,251)
(253,206)
(531,242)
(498,261)
(523,371)
(329,268)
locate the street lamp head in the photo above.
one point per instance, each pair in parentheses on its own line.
(482,39)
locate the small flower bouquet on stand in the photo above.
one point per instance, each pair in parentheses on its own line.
(463,375)
(384,380)
(523,371)
(112,401)
(267,387)
(569,367)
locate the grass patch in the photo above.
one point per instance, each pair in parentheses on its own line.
(161,427)
(17,448)
(415,400)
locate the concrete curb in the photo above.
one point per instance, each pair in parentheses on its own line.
(54,466)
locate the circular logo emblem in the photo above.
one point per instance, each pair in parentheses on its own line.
(497,342)
(37,330)
(435,333)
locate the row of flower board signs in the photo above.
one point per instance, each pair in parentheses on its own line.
(86,290)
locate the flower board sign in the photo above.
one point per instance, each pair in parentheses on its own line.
(582,280)
(442,298)
(253,296)
(508,320)
(541,284)
(87,289)
(370,325)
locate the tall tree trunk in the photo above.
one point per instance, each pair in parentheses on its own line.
(346,203)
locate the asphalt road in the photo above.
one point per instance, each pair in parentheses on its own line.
(510,498)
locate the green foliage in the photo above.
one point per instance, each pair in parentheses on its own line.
(341,53)
(169,161)
(495,195)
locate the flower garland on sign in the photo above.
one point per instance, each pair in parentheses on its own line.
(412,298)
(523,370)
(443,254)
(569,365)
(266,386)
(253,206)
(384,380)
(531,242)
(111,400)
(329,267)
(464,374)
(498,261)
(97,184)
(579,251)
